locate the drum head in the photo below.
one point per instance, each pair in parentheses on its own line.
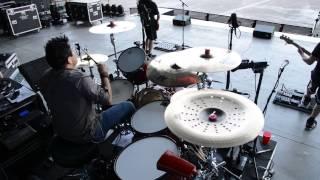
(122,90)
(139,160)
(149,118)
(131,59)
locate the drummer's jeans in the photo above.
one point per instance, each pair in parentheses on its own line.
(116,114)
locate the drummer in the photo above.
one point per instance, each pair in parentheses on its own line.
(72,96)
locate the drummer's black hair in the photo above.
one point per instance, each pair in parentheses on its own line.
(57,51)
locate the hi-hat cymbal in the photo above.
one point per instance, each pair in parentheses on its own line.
(164,71)
(218,60)
(87,61)
(112,27)
(214,118)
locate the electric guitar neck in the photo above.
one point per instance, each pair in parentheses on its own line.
(290,41)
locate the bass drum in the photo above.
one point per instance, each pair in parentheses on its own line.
(122,90)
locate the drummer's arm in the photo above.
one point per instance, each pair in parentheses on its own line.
(105,82)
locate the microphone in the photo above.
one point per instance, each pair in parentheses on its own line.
(284,64)
(233,22)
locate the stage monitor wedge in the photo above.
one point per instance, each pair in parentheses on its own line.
(179,20)
(32,71)
(263,31)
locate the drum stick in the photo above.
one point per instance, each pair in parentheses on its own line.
(85,51)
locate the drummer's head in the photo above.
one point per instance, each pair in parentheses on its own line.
(59,54)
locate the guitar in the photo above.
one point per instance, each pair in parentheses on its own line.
(290,41)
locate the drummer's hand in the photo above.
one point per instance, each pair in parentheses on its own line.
(102,69)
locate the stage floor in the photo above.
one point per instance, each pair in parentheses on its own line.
(298,13)
(297,156)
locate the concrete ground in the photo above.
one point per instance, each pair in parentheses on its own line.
(297,156)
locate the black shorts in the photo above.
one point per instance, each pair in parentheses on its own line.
(314,88)
(151,32)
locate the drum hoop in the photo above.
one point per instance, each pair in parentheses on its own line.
(126,51)
(117,157)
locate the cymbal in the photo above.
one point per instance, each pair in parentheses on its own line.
(86,61)
(219,59)
(214,118)
(164,72)
(112,28)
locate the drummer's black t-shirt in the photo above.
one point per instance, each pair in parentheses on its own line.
(315,74)
(71,97)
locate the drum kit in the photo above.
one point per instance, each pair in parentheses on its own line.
(203,117)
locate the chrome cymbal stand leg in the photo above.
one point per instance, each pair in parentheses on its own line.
(112,39)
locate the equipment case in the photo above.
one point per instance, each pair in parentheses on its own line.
(23,19)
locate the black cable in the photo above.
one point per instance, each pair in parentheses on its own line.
(4,174)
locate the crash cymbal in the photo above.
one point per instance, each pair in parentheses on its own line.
(112,27)
(164,71)
(86,61)
(214,118)
(215,60)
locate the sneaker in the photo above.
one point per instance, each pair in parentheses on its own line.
(306,100)
(311,124)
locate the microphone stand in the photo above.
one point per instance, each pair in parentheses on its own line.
(274,88)
(230,49)
(183,4)
(315,25)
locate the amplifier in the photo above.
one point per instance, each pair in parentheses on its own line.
(23,19)
(89,11)
(179,20)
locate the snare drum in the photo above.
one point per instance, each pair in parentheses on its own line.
(149,119)
(122,90)
(131,63)
(138,161)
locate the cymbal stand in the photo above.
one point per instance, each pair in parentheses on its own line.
(112,39)
(212,168)
(183,14)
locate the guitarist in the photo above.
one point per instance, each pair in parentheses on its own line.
(148,10)
(310,58)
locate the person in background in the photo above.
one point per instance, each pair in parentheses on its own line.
(313,86)
(150,17)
